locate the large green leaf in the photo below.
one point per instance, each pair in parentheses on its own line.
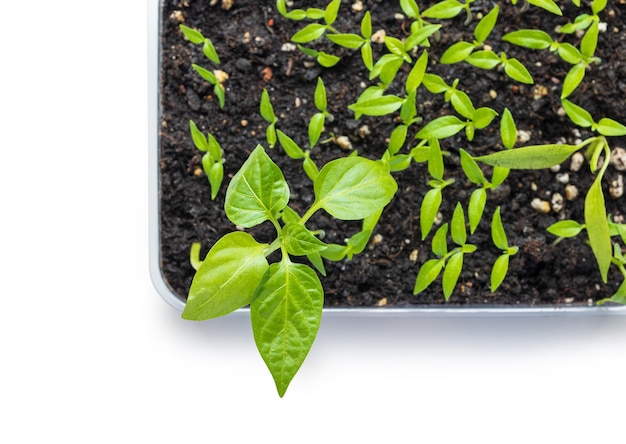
(536,157)
(258,192)
(227,278)
(285,312)
(352,188)
(598,227)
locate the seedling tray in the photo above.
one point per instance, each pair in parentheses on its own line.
(155,113)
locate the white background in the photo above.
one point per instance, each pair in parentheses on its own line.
(91,354)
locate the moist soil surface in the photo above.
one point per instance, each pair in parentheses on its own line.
(252,41)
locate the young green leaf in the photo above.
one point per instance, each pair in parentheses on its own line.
(258,192)
(457,226)
(267,111)
(330,14)
(441,128)
(610,128)
(429,209)
(439,244)
(367,56)
(569,53)
(573,78)
(227,278)
(316,126)
(379,106)
(435,160)
(209,51)
(508,130)
(482,117)
(497,231)
(414,79)
(289,145)
(410,8)
(310,168)
(471,168)
(565,228)
(397,139)
(499,270)
(548,5)
(351,41)
(444,10)
(299,241)
(458,52)
(327,60)
(285,312)
(215,173)
(352,188)
(192,35)
(205,74)
(483,59)
(320,95)
(577,114)
(515,70)
(598,227)
(312,31)
(529,38)
(590,40)
(427,274)
(486,25)
(476,207)
(451,274)
(198,138)
(534,157)
(462,104)
(366,25)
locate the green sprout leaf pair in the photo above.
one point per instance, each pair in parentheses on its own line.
(212,160)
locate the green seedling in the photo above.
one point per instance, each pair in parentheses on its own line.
(447,9)
(212,159)
(285,297)
(459,51)
(196,37)
(451,262)
(501,265)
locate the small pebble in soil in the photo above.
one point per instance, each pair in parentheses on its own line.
(364,131)
(571,192)
(562,178)
(523,136)
(227,4)
(221,76)
(493,94)
(288,47)
(357,6)
(244,123)
(555,168)
(343,142)
(577,162)
(413,255)
(399,17)
(616,189)
(246,37)
(382,302)
(177,16)
(540,205)
(297,102)
(618,159)
(243,65)
(379,36)
(558,203)
(539,91)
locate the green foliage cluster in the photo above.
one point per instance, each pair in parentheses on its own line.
(286,296)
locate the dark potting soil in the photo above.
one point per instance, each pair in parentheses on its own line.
(250,39)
